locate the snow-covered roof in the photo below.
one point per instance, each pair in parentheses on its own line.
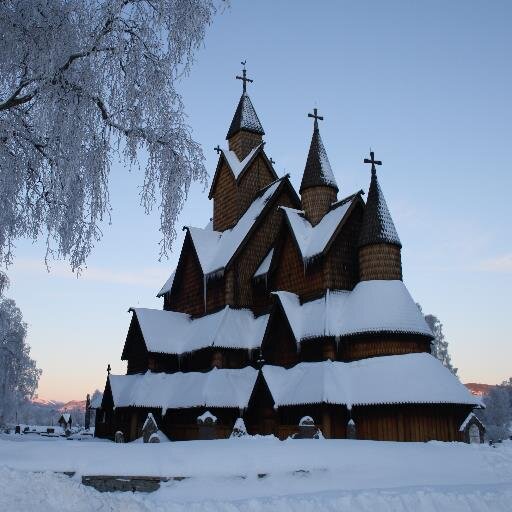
(207,415)
(170,332)
(215,249)
(265,264)
(409,378)
(65,416)
(216,388)
(372,306)
(469,417)
(238,166)
(312,240)
(166,288)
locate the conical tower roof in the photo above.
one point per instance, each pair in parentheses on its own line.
(318,172)
(245,118)
(378,226)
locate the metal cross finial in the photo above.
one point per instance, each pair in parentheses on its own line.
(217,149)
(271,160)
(372,161)
(244,76)
(316,117)
(108,369)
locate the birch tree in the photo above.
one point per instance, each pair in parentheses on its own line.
(19,374)
(83,82)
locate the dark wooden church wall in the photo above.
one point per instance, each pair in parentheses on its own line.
(279,346)
(188,289)
(415,422)
(135,352)
(225,200)
(257,176)
(381,344)
(291,275)
(342,261)
(255,250)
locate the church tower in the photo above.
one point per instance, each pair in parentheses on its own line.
(318,188)
(379,245)
(245,132)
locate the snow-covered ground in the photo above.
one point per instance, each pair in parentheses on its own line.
(300,475)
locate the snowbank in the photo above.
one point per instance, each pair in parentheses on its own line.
(226,475)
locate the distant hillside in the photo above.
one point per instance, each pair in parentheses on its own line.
(479,389)
(76,405)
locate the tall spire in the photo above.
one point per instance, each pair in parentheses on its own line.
(378,226)
(245,117)
(318,172)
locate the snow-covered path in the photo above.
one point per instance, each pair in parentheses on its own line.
(336,475)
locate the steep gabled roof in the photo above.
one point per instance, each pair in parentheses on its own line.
(167,287)
(378,226)
(314,240)
(171,332)
(245,118)
(402,379)
(216,388)
(215,249)
(239,167)
(371,307)
(318,172)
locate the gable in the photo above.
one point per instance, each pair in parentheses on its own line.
(134,345)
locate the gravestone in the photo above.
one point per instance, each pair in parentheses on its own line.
(17,430)
(149,428)
(239,429)
(351,429)
(154,438)
(119,437)
(206,422)
(308,429)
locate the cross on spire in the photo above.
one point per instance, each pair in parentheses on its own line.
(271,160)
(244,76)
(372,161)
(217,149)
(316,117)
(108,369)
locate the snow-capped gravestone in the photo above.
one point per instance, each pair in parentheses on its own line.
(154,438)
(239,429)
(351,429)
(119,437)
(307,429)
(472,429)
(149,428)
(206,425)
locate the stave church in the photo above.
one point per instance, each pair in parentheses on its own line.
(285,306)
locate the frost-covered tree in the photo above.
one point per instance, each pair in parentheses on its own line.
(18,372)
(439,345)
(497,415)
(82,81)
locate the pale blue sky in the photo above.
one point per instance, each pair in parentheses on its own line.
(426,84)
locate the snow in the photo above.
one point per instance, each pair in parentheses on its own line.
(216,388)
(166,288)
(336,475)
(171,332)
(215,249)
(410,378)
(372,306)
(66,417)
(325,165)
(237,166)
(265,264)
(306,420)
(207,415)
(312,241)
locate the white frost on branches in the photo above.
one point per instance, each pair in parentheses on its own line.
(79,81)
(19,375)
